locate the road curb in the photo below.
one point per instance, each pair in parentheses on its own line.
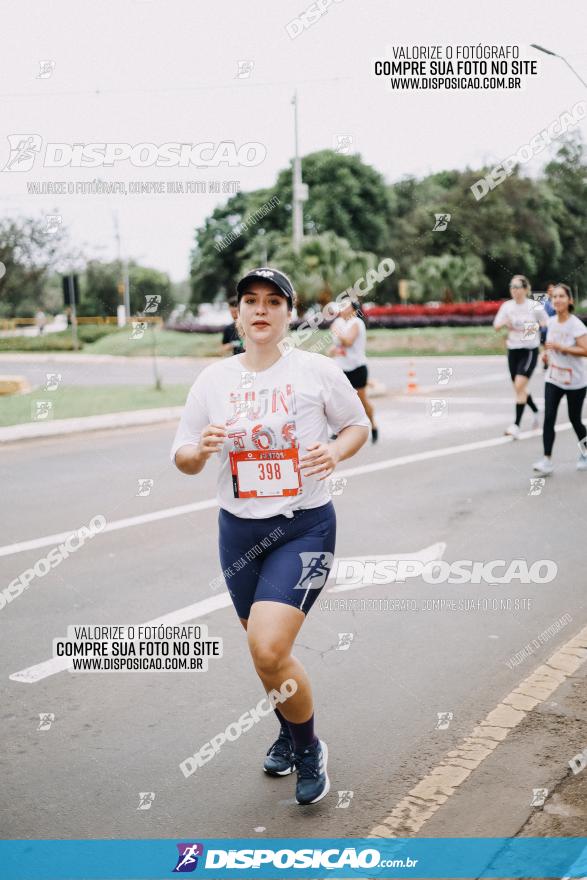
(35,430)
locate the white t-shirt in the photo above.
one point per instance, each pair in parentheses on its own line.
(292,403)
(350,357)
(527,318)
(566,370)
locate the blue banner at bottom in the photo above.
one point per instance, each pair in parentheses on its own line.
(530,857)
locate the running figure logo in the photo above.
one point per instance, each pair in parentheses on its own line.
(444,374)
(46,720)
(315,570)
(536,485)
(441,223)
(344,641)
(23,151)
(539,795)
(444,719)
(188,857)
(344,799)
(152,303)
(146,798)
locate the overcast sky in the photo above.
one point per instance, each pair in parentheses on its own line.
(156,71)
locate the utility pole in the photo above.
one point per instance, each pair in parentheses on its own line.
(123,284)
(71,289)
(300,190)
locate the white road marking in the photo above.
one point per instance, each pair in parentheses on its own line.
(35,673)
(48,540)
(128,522)
(433,553)
(413,811)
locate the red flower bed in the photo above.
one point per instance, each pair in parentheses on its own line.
(472,309)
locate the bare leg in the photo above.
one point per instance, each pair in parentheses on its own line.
(362,392)
(272,629)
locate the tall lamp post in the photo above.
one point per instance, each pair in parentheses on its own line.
(300,190)
(556,55)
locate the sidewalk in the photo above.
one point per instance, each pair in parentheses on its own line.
(34,430)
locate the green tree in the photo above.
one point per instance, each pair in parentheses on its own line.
(28,255)
(566,176)
(449,277)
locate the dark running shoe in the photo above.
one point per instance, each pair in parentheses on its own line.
(280,757)
(374,435)
(313,783)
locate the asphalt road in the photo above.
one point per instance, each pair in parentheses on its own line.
(116,735)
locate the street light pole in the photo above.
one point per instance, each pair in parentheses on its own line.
(556,55)
(298,190)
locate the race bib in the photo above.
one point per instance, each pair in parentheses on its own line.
(258,473)
(564,375)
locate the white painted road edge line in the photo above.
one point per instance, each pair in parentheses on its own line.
(49,540)
(422,802)
(38,671)
(35,673)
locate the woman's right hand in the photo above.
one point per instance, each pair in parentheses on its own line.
(211,439)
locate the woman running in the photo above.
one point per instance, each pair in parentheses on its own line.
(523,318)
(566,350)
(267,416)
(349,353)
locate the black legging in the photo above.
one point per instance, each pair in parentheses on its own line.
(552,397)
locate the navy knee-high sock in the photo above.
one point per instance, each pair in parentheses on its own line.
(303,734)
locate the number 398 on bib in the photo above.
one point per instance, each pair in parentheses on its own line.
(265,473)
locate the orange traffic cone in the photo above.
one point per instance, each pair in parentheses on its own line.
(412,383)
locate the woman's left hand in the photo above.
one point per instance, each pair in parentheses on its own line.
(322,458)
(553,346)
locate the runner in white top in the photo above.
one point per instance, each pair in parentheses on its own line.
(566,351)
(267,417)
(349,353)
(523,318)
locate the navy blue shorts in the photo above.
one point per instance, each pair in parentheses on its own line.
(278,559)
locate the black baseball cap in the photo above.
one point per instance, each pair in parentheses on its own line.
(279,279)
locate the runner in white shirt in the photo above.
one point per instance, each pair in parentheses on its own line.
(523,318)
(565,358)
(267,417)
(349,353)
